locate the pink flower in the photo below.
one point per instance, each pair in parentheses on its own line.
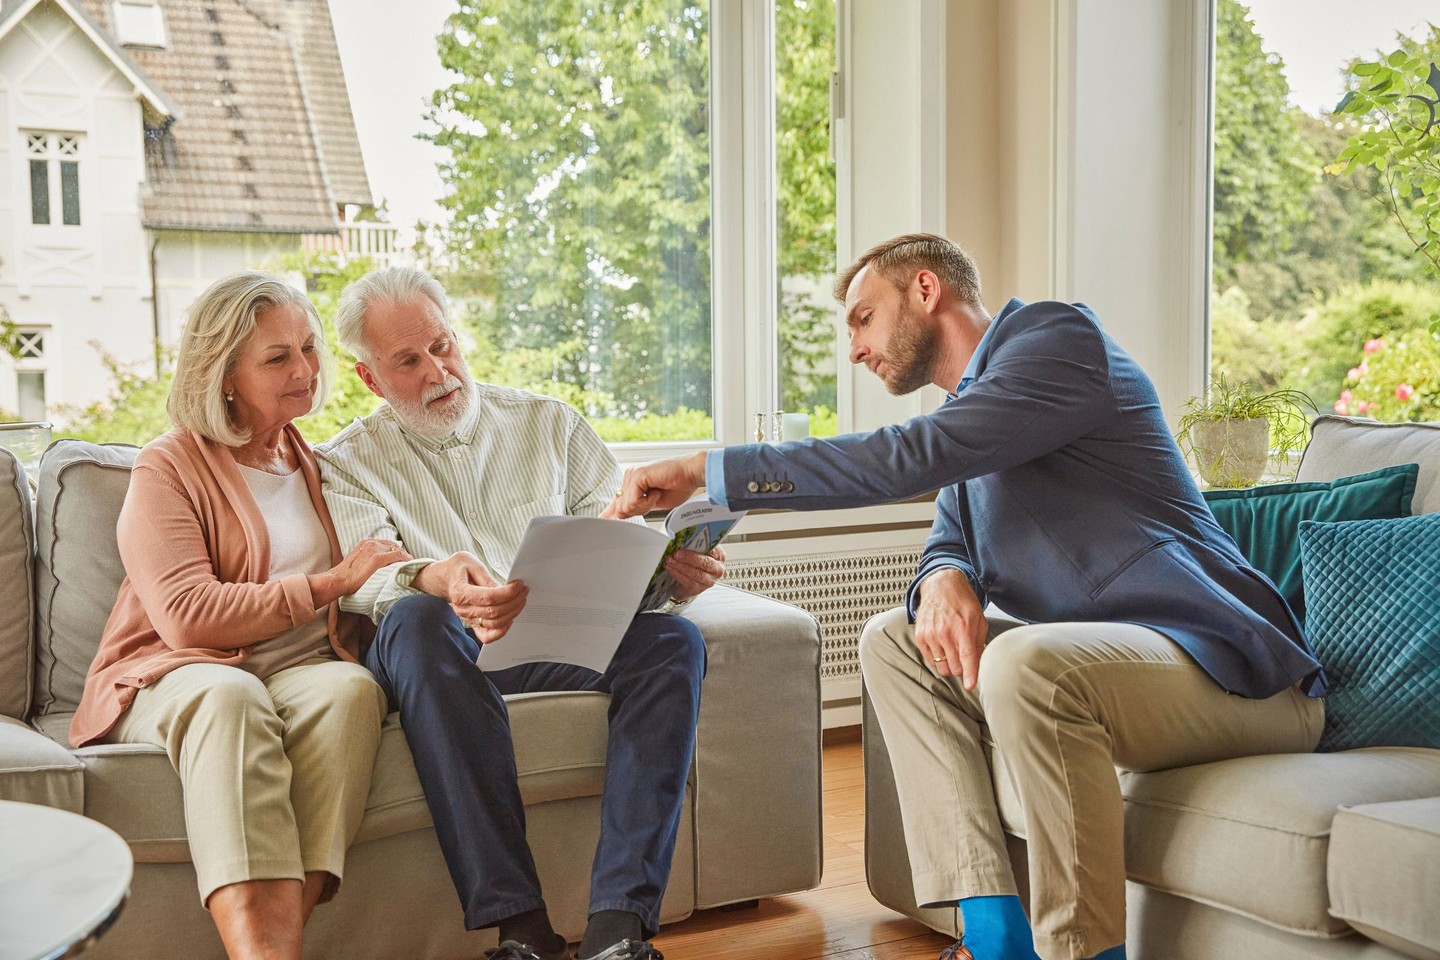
(1404,392)
(1375,345)
(1363,406)
(1355,373)
(1341,408)
(1346,395)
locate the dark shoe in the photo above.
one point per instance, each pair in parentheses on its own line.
(628,949)
(957,951)
(513,950)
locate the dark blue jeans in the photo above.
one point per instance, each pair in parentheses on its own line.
(459,734)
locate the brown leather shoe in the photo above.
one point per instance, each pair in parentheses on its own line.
(957,951)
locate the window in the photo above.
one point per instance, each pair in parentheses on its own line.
(636,210)
(29,351)
(54,178)
(578,179)
(632,206)
(1317,285)
(139,24)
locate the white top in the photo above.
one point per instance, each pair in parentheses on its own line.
(298,544)
(516,455)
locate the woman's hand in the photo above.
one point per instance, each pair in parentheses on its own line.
(350,574)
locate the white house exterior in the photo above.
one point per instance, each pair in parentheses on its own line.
(148,147)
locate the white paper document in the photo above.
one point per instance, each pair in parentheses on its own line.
(588,578)
(585,577)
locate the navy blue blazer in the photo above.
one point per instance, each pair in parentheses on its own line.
(1062,497)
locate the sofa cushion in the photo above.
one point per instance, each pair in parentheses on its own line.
(33,769)
(78,570)
(1344,446)
(17,605)
(1252,835)
(1375,624)
(1382,857)
(1264,521)
(559,737)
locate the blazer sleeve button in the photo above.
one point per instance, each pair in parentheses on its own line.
(753,487)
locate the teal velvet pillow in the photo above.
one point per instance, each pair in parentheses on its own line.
(1375,624)
(1265,521)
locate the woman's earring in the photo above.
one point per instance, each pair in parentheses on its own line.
(229,396)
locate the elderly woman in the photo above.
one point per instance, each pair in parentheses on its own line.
(226,646)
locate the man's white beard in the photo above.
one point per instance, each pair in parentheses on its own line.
(432,422)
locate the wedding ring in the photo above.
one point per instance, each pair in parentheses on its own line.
(939,658)
(619,493)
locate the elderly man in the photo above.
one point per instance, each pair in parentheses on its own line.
(454,470)
(1150,643)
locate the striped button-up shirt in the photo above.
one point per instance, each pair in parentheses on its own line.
(515,456)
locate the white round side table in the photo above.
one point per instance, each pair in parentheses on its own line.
(63,880)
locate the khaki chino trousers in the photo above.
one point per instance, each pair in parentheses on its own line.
(1066,704)
(275,772)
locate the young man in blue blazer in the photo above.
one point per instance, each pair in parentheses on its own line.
(1145,639)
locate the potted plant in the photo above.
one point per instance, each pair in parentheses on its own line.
(1232,431)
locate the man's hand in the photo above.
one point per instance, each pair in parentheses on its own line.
(658,486)
(482,604)
(950,626)
(695,572)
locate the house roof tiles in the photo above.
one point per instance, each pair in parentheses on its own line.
(247,150)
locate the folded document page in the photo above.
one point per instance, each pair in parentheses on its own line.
(588,578)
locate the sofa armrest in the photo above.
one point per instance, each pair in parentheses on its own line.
(757,749)
(36,769)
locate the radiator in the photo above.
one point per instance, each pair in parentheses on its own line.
(842,580)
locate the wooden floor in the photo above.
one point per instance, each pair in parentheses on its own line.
(839,919)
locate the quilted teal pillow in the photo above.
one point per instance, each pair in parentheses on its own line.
(1374,622)
(1265,521)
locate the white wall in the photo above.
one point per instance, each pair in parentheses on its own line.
(186,262)
(1071,139)
(1135,240)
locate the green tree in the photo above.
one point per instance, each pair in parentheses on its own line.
(1347,240)
(1394,104)
(1264,168)
(578,182)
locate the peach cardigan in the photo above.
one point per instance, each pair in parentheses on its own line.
(197,587)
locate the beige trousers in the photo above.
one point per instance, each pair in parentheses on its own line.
(1065,703)
(275,772)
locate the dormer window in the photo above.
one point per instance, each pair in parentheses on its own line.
(139,24)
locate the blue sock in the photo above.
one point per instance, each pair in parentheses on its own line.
(1114,953)
(996,928)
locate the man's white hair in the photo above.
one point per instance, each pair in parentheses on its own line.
(393,286)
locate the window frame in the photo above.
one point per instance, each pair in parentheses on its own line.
(31,342)
(743,314)
(58,150)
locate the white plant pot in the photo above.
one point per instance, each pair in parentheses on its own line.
(1231,453)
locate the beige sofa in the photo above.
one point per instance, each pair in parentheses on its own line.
(1297,857)
(751,824)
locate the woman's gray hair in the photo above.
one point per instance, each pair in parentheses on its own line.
(217,325)
(394,286)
